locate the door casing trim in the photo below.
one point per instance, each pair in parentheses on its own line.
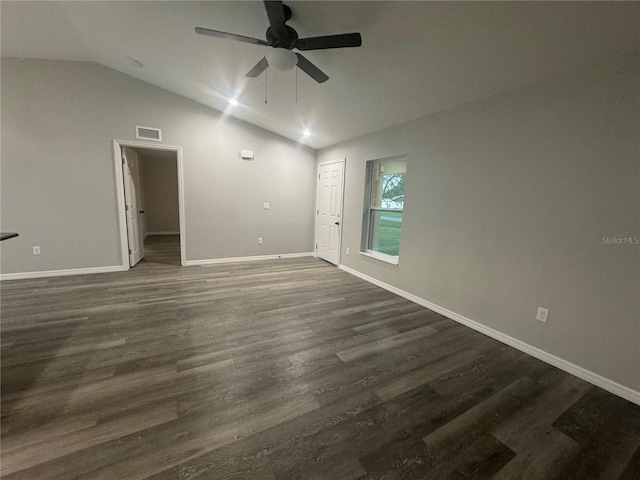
(119,179)
(342,160)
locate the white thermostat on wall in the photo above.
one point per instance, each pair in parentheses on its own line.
(246,154)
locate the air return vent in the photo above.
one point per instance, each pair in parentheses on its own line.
(148,133)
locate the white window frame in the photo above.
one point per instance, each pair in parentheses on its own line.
(369,209)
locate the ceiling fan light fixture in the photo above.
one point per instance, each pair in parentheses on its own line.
(281,59)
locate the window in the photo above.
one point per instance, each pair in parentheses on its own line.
(384,203)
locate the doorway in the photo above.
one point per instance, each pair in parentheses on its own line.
(149,188)
(329,210)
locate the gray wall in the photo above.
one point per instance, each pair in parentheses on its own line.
(58,183)
(507,203)
(160,185)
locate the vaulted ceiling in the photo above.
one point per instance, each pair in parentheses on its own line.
(416,58)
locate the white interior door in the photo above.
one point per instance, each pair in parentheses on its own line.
(130,172)
(329,211)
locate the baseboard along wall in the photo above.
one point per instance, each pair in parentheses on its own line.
(60,273)
(212,261)
(580,372)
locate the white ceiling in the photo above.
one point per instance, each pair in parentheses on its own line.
(417,57)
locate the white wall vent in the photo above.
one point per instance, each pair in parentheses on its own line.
(148,133)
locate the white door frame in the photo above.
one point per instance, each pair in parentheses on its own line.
(122,219)
(342,160)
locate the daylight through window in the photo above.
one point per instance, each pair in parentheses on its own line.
(384,205)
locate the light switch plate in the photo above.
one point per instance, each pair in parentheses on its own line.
(542,314)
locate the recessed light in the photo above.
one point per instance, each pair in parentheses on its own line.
(233,101)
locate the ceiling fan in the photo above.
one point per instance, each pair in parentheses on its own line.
(283,39)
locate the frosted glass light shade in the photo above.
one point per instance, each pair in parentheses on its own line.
(281,59)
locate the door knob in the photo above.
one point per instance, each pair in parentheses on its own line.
(337,223)
(141,211)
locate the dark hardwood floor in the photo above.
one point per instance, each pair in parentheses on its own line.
(284,369)
(163,249)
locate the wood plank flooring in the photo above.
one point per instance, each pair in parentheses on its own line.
(284,369)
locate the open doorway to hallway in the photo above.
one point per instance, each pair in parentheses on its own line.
(151,203)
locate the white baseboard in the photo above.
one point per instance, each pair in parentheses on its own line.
(212,261)
(161,233)
(60,273)
(580,372)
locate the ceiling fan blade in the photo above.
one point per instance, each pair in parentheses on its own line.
(258,68)
(310,69)
(230,36)
(275,12)
(329,41)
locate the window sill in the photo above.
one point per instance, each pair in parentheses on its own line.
(382,257)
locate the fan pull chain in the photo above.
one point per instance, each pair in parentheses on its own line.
(296,85)
(265,86)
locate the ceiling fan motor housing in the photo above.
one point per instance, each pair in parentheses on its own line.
(288,42)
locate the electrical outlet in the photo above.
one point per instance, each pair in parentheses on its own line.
(542,314)
(36,250)
(347,250)
(259,240)
(266,206)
